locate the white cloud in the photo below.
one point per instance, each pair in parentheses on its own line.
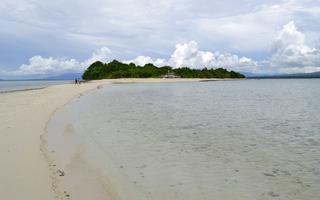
(68,28)
(74,28)
(189,55)
(253,31)
(185,55)
(142,60)
(104,55)
(292,54)
(39,65)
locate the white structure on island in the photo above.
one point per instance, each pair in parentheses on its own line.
(170,75)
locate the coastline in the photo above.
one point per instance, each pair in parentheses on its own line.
(21,90)
(24,173)
(24,169)
(152,141)
(24,85)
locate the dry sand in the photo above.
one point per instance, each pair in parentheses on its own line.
(24,172)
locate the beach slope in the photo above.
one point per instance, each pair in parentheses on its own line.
(24,172)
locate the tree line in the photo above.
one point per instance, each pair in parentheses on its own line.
(116,69)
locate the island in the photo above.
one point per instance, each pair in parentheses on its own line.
(116,69)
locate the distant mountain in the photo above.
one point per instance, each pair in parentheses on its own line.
(298,75)
(68,76)
(306,75)
(250,74)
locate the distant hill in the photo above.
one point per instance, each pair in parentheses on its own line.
(306,75)
(116,69)
(298,75)
(68,76)
(250,74)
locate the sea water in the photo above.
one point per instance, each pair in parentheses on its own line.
(250,139)
(8,86)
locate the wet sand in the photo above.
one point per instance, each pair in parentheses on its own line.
(24,171)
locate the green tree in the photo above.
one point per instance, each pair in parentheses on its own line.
(116,69)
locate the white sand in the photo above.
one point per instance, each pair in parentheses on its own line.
(24,172)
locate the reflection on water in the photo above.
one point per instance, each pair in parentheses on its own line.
(254,139)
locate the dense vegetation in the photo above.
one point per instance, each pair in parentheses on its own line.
(116,69)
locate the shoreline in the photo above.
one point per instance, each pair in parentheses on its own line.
(24,173)
(21,90)
(145,141)
(20,85)
(24,169)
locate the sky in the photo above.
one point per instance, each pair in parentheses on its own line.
(40,38)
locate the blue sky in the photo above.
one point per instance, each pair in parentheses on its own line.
(42,37)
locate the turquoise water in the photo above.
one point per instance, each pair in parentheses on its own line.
(6,86)
(252,139)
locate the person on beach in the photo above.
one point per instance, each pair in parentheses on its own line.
(75,81)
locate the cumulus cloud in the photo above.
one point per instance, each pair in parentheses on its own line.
(292,54)
(185,55)
(188,54)
(152,26)
(152,29)
(142,60)
(39,65)
(104,55)
(251,31)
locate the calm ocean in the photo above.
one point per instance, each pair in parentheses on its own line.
(243,140)
(6,86)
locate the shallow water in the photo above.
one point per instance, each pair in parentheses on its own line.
(253,139)
(7,86)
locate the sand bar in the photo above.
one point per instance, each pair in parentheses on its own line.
(24,172)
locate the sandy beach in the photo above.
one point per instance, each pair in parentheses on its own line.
(101,140)
(24,171)
(159,100)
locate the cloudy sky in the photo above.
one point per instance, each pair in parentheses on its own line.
(42,37)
